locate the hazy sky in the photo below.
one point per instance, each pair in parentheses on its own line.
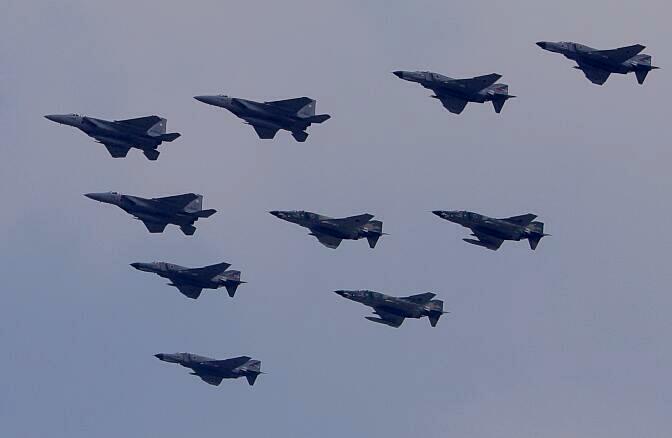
(572,340)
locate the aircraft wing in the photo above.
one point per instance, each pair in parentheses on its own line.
(420,298)
(230,364)
(476,84)
(349,222)
(594,74)
(141,122)
(210,271)
(188,290)
(327,240)
(486,240)
(523,220)
(155,227)
(292,105)
(212,380)
(265,133)
(115,149)
(617,56)
(386,318)
(453,104)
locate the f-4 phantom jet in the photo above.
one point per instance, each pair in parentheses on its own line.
(192,281)
(454,94)
(597,65)
(157,213)
(331,231)
(213,371)
(392,310)
(267,118)
(491,233)
(119,136)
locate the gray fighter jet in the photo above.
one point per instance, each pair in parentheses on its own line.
(192,281)
(597,65)
(267,118)
(331,231)
(213,371)
(491,233)
(454,94)
(119,136)
(156,213)
(393,310)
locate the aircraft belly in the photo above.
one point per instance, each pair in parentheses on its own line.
(263,123)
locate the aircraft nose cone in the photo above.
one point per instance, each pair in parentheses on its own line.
(399,74)
(341,293)
(94,196)
(210,100)
(275,213)
(136,265)
(55,118)
(159,356)
(542,44)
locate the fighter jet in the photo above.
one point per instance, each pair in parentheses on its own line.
(597,65)
(393,310)
(119,136)
(213,371)
(331,231)
(294,115)
(156,213)
(454,94)
(491,233)
(192,281)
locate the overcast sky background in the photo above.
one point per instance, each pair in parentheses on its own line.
(572,340)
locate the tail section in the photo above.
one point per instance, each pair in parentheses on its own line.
(373,230)
(205,213)
(321,118)
(536,232)
(157,129)
(232,282)
(194,205)
(642,66)
(252,371)
(434,311)
(500,94)
(189,230)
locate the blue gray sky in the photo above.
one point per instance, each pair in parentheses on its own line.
(570,340)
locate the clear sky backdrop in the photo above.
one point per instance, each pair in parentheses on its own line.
(572,340)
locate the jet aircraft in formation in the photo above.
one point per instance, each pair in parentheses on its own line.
(331,231)
(454,94)
(192,281)
(491,233)
(393,310)
(598,65)
(267,118)
(157,213)
(119,136)
(213,371)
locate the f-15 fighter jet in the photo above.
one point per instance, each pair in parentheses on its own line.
(392,310)
(597,65)
(454,94)
(192,281)
(119,136)
(267,118)
(156,213)
(331,231)
(213,371)
(491,233)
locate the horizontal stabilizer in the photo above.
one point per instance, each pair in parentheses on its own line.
(170,137)
(321,118)
(641,75)
(205,213)
(251,378)
(151,154)
(300,136)
(188,230)
(373,240)
(499,101)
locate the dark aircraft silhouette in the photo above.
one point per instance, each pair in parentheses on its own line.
(454,94)
(331,231)
(392,310)
(597,65)
(267,118)
(491,233)
(156,213)
(192,281)
(119,136)
(213,371)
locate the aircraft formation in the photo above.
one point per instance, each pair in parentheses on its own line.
(296,115)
